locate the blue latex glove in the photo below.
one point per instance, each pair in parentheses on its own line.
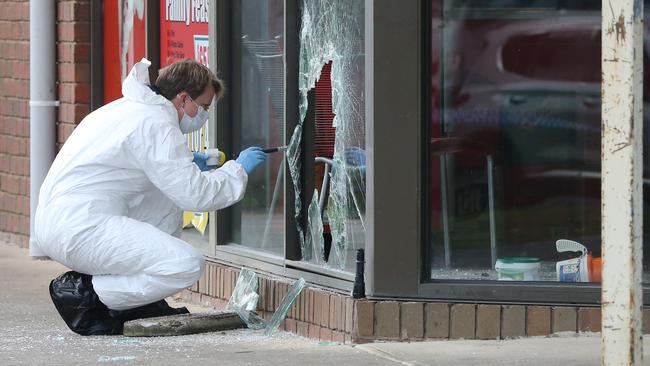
(355,156)
(251,158)
(200,161)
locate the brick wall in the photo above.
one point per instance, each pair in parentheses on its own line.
(73,53)
(316,313)
(329,316)
(14,122)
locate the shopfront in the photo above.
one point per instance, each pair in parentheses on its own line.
(455,142)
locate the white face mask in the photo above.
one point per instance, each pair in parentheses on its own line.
(190,124)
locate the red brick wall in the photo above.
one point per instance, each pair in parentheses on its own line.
(329,316)
(14,121)
(73,35)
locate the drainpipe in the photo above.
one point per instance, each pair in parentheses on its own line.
(42,102)
(622,159)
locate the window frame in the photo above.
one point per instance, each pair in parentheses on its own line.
(537,292)
(403,32)
(222,247)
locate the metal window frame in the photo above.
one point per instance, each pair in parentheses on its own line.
(153,38)
(292,119)
(395,270)
(392,270)
(394,259)
(393,124)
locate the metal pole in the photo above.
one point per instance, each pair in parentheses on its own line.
(445,210)
(621,207)
(493,230)
(42,102)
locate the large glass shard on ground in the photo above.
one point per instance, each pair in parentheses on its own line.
(333,31)
(285,305)
(245,294)
(243,301)
(244,298)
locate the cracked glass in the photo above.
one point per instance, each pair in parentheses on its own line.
(332,31)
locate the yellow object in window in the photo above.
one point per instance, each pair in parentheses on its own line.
(197,141)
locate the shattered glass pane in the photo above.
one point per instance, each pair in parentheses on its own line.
(244,298)
(333,31)
(293,154)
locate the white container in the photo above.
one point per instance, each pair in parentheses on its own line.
(518,269)
(215,157)
(574,269)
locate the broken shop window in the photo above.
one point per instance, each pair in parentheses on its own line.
(332,31)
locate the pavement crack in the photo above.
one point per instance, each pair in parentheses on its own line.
(385,355)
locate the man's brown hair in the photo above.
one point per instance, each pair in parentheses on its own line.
(187,75)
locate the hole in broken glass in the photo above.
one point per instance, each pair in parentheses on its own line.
(332,31)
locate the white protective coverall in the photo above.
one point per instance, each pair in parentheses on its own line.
(111,203)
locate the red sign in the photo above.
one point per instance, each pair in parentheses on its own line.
(183,31)
(125,42)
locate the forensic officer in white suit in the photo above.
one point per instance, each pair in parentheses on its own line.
(110,206)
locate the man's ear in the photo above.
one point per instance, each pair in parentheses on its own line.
(182,97)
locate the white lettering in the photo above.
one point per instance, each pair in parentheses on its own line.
(200,11)
(187,11)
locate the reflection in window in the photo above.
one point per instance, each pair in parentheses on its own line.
(515,136)
(258,221)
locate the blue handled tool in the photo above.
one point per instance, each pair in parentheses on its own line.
(275,149)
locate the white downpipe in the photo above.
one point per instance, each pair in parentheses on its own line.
(42,102)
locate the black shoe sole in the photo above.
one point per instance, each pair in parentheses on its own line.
(153,310)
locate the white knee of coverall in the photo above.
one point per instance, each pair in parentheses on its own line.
(121,292)
(190,270)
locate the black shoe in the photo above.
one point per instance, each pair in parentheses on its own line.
(155,309)
(76,301)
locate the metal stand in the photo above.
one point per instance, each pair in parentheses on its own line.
(445,210)
(325,188)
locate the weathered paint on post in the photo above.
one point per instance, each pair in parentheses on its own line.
(622,108)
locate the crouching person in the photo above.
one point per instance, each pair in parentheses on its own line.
(110,206)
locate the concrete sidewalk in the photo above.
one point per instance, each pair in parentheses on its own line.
(31,333)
